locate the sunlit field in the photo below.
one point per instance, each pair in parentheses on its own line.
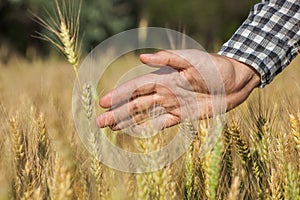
(41,156)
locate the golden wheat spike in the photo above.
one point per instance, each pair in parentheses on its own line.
(43,140)
(131,185)
(234,189)
(65,30)
(171,187)
(18,139)
(61,183)
(87,101)
(144,186)
(295,123)
(242,147)
(19,144)
(97,169)
(189,173)
(276,186)
(226,168)
(160,179)
(292,179)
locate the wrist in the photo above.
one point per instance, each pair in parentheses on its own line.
(246,77)
(239,79)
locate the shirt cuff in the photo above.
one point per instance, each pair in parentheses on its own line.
(261,50)
(265,42)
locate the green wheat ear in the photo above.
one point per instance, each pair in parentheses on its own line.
(63,30)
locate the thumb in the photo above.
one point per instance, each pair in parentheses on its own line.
(165,58)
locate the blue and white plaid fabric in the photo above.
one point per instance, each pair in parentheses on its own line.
(269,39)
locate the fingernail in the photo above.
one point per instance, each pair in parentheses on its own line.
(115,128)
(146,55)
(98,121)
(104,101)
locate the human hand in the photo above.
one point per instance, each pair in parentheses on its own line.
(183,87)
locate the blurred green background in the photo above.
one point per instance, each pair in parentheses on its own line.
(209,22)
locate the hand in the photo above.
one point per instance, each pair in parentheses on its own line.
(183,87)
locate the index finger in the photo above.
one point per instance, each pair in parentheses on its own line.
(166,58)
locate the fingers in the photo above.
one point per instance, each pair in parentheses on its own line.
(137,87)
(165,58)
(154,124)
(146,84)
(140,118)
(132,97)
(137,105)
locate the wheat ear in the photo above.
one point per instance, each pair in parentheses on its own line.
(196,176)
(64,30)
(96,166)
(225,177)
(234,189)
(295,123)
(251,188)
(145,182)
(61,185)
(43,140)
(292,188)
(19,155)
(214,169)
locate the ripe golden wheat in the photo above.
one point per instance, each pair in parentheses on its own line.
(256,157)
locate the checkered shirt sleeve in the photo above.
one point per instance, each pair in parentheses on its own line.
(269,38)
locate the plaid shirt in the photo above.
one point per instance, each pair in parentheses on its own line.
(269,38)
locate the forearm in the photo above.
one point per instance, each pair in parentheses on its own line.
(269,39)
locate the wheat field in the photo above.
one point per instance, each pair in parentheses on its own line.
(41,156)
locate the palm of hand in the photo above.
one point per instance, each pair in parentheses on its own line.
(185,86)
